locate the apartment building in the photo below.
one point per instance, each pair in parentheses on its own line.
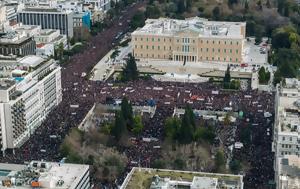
(286,141)
(192,40)
(48,18)
(31,92)
(13,43)
(51,175)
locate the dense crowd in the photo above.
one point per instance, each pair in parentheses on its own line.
(44,143)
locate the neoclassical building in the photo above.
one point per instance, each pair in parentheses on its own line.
(192,40)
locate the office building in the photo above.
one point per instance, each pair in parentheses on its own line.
(191,40)
(48,18)
(148,178)
(40,174)
(286,141)
(13,43)
(26,97)
(81,25)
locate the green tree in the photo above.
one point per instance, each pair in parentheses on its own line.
(185,135)
(216,13)
(126,111)
(235,166)
(130,71)
(138,20)
(179,164)
(137,125)
(119,127)
(152,11)
(172,125)
(219,161)
(287,62)
(227,78)
(158,164)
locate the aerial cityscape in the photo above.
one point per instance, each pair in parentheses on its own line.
(150,94)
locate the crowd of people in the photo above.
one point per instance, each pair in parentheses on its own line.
(45,141)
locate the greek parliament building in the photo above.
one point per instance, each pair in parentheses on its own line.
(48,18)
(192,40)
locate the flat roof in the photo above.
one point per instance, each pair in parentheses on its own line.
(31,61)
(200,26)
(142,177)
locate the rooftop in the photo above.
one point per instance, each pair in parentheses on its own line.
(200,26)
(44,174)
(31,61)
(6,83)
(156,178)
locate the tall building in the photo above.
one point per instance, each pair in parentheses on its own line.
(48,18)
(286,141)
(13,43)
(26,98)
(40,174)
(192,40)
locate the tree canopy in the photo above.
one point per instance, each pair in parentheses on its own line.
(130,71)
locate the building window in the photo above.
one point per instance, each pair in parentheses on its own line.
(164,39)
(206,58)
(158,39)
(236,60)
(141,46)
(152,39)
(207,42)
(141,39)
(141,55)
(135,39)
(213,42)
(291,139)
(147,39)
(224,59)
(213,50)
(193,40)
(213,58)
(237,43)
(158,47)
(283,138)
(283,146)
(177,40)
(201,41)
(230,59)
(152,55)
(170,48)
(201,49)
(230,42)
(218,50)
(224,50)
(152,47)
(230,50)
(206,49)
(170,40)
(237,51)
(136,46)
(147,47)
(219,42)
(164,47)
(225,42)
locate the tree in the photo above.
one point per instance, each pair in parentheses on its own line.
(235,166)
(185,135)
(216,13)
(152,11)
(263,76)
(126,111)
(179,164)
(138,20)
(227,78)
(119,127)
(60,51)
(172,125)
(158,164)
(130,71)
(137,125)
(287,62)
(219,161)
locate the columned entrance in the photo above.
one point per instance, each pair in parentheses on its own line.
(185,57)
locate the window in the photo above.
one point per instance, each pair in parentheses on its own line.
(147,39)
(201,41)
(283,138)
(141,39)
(141,55)
(152,39)
(206,58)
(136,46)
(218,50)
(207,41)
(177,40)
(225,42)
(291,139)
(237,43)
(230,50)
(170,48)
(147,47)
(158,47)
(164,47)
(141,46)
(213,42)
(224,50)
(213,50)
(230,42)
(135,39)
(219,42)
(164,39)
(193,40)
(152,47)
(170,40)
(152,55)
(236,60)
(283,146)
(213,58)
(237,51)
(230,59)
(206,49)
(224,59)
(158,39)
(201,49)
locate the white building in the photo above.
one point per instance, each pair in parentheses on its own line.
(286,141)
(103,5)
(49,175)
(289,169)
(26,98)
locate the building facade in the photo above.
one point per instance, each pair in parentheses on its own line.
(191,40)
(286,141)
(48,18)
(102,5)
(27,98)
(13,43)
